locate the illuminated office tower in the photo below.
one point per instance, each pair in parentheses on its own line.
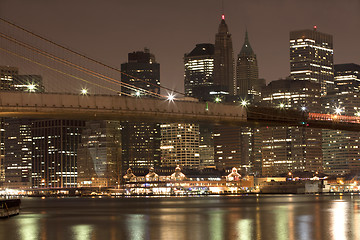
(232,148)
(180,145)
(18,152)
(199,83)
(247,73)
(311,57)
(55,152)
(99,155)
(199,71)
(290,149)
(16,144)
(6,79)
(341,148)
(141,140)
(224,60)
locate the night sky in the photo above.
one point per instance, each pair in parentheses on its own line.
(108,30)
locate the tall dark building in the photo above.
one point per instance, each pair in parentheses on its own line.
(141,140)
(142,71)
(341,148)
(199,71)
(247,73)
(224,60)
(55,150)
(312,57)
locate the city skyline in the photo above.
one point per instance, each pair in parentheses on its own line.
(268,24)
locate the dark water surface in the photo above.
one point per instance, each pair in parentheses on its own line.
(239,217)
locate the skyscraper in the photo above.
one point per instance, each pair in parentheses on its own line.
(55,152)
(224,60)
(180,145)
(199,71)
(294,149)
(141,140)
(142,71)
(247,73)
(15,136)
(311,57)
(99,156)
(341,148)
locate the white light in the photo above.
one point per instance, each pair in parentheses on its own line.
(171,97)
(303,108)
(282,105)
(31,87)
(84,91)
(137,93)
(217,99)
(244,103)
(338,111)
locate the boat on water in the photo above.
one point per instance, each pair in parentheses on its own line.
(9,207)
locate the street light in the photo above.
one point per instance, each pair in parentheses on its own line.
(282,105)
(170,97)
(217,99)
(84,91)
(303,108)
(137,93)
(338,111)
(31,87)
(244,103)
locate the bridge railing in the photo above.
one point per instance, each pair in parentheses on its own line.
(333,118)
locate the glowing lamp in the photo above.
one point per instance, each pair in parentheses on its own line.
(170,97)
(338,111)
(31,87)
(244,103)
(84,91)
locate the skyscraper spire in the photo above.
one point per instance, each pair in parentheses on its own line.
(246,48)
(247,73)
(224,59)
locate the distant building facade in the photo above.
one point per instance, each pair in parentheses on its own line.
(99,155)
(290,149)
(247,73)
(141,140)
(312,57)
(141,71)
(224,60)
(199,72)
(180,145)
(15,134)
(341,148)
(55,153)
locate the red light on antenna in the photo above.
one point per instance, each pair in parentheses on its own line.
(223,17)
(315,27)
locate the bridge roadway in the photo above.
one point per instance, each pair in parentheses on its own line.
(107,107)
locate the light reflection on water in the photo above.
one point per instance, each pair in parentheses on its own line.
(214,218)
(339,220)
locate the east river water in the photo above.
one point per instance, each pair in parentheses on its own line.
(281,217)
